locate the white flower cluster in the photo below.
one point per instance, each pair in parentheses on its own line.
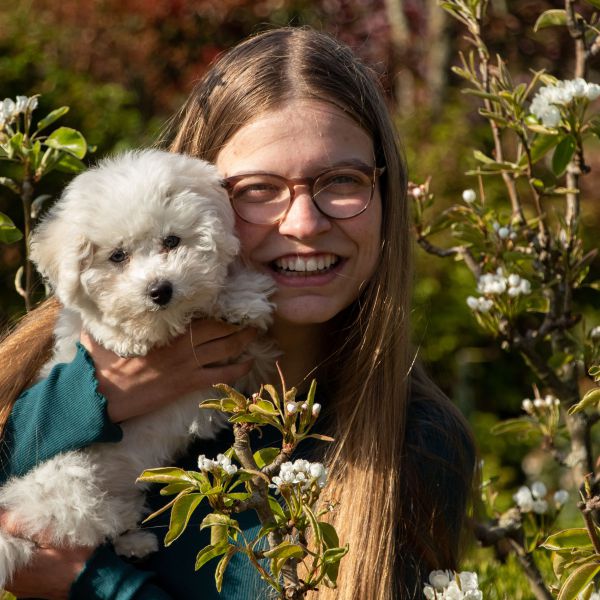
(11,109)
(292,408)
(539,404)
(534,499)
(494,284)
(504,232)
(446,585)
(545,103)
(301,474)
(208,465)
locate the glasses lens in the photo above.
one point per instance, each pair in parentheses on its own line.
(260,199)
(343,193)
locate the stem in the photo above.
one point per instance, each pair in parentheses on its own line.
(536,581)
(509,180)
(292,587)
(26,198)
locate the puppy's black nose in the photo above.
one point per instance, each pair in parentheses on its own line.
(160,292)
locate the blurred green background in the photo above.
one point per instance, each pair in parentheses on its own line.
(124,66)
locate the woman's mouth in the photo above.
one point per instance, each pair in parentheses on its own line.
(305,266)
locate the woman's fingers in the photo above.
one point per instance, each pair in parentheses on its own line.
(50,572)
(206,354)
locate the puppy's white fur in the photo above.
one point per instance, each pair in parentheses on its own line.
(131,203)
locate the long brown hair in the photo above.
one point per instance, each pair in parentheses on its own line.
(22,352)
(369,465)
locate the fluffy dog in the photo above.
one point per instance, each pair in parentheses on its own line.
(133,249)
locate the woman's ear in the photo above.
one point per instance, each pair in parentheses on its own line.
(61,254)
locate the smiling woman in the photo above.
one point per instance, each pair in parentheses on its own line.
(300,131)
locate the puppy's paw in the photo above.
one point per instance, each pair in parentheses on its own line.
(136,543)
(245,299)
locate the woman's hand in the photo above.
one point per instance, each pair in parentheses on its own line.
(193,361)
(50,572)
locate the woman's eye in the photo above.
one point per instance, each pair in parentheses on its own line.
(257,192)
(171,241)
(118,256)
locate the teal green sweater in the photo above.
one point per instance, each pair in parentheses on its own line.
(65,411)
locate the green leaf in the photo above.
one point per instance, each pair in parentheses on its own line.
(265,456)
(563,154)
(481,157)
(285,550)
(277,509)
(578,579)
(273,393)
(591,399)
(540,146)
(329,535)
(594,3)
(232,393)
(51,117)
(551,18)
(16,145)
(264,407)
(180,515)
(68,163)
(217,519)
(9,233)
(10,184)
(208,553)
(521,425)
(164,475)
(334,555)
(68,140)
(176,488)
(220,570)
(568,538)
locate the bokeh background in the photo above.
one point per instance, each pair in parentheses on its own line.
(124,66)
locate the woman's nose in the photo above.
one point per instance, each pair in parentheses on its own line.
(303,219)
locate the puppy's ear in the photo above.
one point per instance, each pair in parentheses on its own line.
(61,254)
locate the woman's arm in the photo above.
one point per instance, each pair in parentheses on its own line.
(79,403)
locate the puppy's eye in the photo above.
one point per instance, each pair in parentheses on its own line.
(118,256)
(171,241)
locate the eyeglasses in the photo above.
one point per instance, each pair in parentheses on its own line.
(339,193)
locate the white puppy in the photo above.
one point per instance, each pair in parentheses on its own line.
(133,249)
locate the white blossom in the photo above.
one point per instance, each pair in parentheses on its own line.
(532,499)
(440,579)
(291,408)
(524,499)
(595,333)
(527,405)
(10,109)
(316,409)
(560,497)
(545,105)
(222,462)
(446,585)
(480,304)
(538,489)
(301,474)
(469,196)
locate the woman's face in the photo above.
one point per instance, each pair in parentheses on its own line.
(318,263)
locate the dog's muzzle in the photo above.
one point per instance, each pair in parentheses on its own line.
(160,292)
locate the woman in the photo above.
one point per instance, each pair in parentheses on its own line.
(292,108)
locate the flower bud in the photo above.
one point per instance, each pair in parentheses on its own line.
(291,408)
(316,409)
(469,196)
(560,497)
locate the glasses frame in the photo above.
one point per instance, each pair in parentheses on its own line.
(291,183)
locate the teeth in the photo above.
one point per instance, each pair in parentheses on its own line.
(302,265)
